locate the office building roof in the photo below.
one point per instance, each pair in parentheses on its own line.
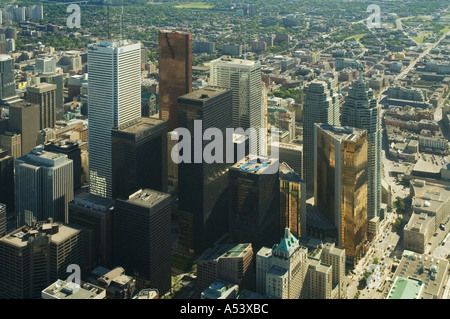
(204,94)
(226,251)
(69,290)
(405,288)
(342,133)
(147,198)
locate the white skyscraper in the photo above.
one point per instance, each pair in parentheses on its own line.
(243,77)
(114,99)
(43,187)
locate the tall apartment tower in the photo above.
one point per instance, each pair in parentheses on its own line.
(318,282)
(44,94)
(7,180)
(94,215)
(281,271)
(254,214)
(340,189)
(362,111)
(7,76)
(292,201)
(175,73)
(31,258)
(232,262)
(244,78)
(24,119)
(139,156)
(142,238)
(321,106)
(114,99)
(203,182)
(43,187)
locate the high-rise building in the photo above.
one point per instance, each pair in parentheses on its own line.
(45,64)
(24,119)
(362,111)
(335,257)
(2,220)
(73,151)
(292,201)
(244,78)
(318,281)
(58,80)
(175,73)
(142,238)
(7,180)
(12,143)
(33,257)
(281,271)
(340,189)
(63,290)
(203,182)
(172,166)
(291,154)
(233,263)
(43,186)
(254,214)
(44,94)
(139,156)
(94,214)
(110,105)
(321,106)
(7,76)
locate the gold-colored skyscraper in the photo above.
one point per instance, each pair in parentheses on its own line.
(292,201)
(340,187)
(175,73)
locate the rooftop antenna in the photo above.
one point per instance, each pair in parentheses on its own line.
(107,21)
(121,24)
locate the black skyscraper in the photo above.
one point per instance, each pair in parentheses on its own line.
(202,186)
(139,156)
(7,180)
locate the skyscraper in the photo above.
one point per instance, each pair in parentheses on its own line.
(202,185)
(254,215)
(7,180)
(7,77)
(139,152)
(33,257)
(321,106)
(114,99)
(292,201)
(362,111)
(243,77)
(340,189)
(2,220)
(94,215)
(72,150)
(58,80)
(24,119)
(175,73)
(142,245)
(44,94)
(43,186)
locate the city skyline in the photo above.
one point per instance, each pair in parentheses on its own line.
(225,151)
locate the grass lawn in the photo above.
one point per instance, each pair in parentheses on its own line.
(195,5)
(418,39)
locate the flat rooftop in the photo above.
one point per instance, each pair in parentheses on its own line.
(429,197)
(318,265)
(93,202)
(204,94)
(140,125)
(147,197)
(69,290)
(277,271)
(234,61)
(342,133)
(226,251)
(405,288)
(255,164)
